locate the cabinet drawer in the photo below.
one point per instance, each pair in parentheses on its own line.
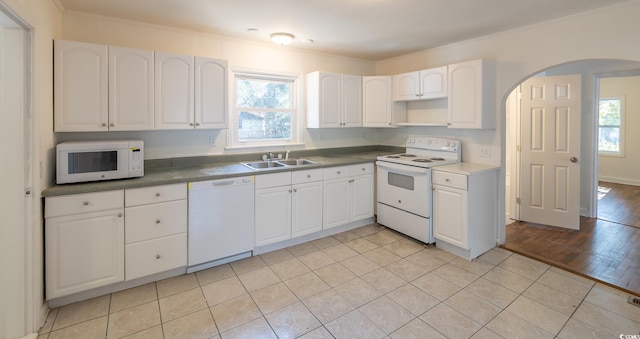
(300,177)
(336,172)
(273,180)
(83,203)
(157,220)
(362,169)
(155,256)
(153,194)
(450,179)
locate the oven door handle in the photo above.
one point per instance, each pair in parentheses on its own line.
(402,168)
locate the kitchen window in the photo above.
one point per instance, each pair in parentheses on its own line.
(610,119)
(266,110)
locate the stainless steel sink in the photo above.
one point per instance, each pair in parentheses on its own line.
(263,164)
(296,162)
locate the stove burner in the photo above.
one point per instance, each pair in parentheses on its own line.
(437,159)
(393,157)
(407,155)
(421,160)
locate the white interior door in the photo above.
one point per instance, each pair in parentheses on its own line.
(550,150)
(15,232)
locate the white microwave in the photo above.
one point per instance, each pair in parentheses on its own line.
(81,161)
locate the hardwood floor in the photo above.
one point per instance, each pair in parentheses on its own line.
(605,250)
(619,203)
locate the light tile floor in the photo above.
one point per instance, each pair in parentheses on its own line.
(366,283)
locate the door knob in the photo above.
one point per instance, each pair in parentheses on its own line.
(573,159)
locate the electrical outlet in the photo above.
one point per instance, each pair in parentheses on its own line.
(485,151)
(212,140)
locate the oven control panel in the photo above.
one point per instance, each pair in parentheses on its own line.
(443,144)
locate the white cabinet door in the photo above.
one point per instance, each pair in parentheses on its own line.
(211,93)
(131,89)
(81,87)
(174,91)
(333,100)
(306,213)
(361,197)
(378,107)
(272,215)
(351,101)
(472,95)
(84,251)
(406,86)
(433,83)
(336,203)
(450,215)
(420,85)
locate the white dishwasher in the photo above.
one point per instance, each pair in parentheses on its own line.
(220,221)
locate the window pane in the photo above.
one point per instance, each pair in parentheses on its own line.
(609,139)
(254,125)
(610,112)
(256,93)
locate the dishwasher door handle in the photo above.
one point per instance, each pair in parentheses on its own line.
(223,183)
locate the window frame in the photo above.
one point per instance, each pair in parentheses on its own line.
(620,153)
(297,113)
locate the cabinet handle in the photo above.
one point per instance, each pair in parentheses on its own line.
(338,172)
(158,256)
(309,176)
(157,221)
(197,124)
(86,203)
(158,194)
(364,169)
(104,124)
(112,125)
(352,181)
(389,124)
(447,180)
(295,190)
(191,124)
(399,201)
(119,215)
(290,191)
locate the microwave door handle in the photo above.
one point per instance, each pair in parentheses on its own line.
(410,170)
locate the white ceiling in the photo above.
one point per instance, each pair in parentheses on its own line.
(365,29)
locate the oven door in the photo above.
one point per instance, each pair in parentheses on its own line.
(405,187)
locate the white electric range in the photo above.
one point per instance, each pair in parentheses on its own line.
(404,184)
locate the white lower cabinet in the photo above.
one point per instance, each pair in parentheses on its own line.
(103,238)
(465,208)
(84,242)
(348,194)
(288,205)
(156,229)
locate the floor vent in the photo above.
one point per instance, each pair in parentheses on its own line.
(634,301)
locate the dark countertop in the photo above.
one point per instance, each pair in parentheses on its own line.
(182,170)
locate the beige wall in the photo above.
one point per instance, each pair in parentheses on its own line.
(623,169)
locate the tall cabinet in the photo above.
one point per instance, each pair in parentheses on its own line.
(378,107)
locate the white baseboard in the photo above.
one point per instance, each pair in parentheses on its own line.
(622,181)
(30,336)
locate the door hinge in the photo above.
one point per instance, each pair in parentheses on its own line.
(27,191)
(518,201)
(518,148)
(519,95)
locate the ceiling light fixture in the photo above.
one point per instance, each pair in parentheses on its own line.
(282,38)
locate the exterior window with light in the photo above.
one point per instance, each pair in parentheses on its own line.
(265,111)
(610,128)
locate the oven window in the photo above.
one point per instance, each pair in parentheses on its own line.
(87,162)
(401,181)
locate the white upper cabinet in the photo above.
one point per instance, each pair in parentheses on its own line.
(378,108)
(81,87)
(472,90)
(333,100)
(131,75)
(174,90)
(420,85)
(111,88)
(211,93)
